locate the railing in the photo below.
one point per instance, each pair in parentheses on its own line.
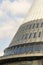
(21,55)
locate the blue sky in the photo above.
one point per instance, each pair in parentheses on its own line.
(12,14)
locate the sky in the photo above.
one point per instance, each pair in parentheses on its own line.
(12,15)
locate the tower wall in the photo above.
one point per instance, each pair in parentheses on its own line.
(35,12)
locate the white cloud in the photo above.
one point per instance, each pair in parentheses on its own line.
(9,28)
(20,6)
(1,13)
(16,7)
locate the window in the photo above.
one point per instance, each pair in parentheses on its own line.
(36,48)
(41,47)
(39,35)
(9,51)
(33,25)
(37,25)
(34,35)
(27,25)
(29,48)
(30,35)
(20,37)
(22,49)
(19,50)
(25,36)
(30,26)
(42,24)
(15,50)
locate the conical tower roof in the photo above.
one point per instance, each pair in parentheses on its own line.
(35,12)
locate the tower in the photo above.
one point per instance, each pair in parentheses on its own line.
(35,12)
(26,47)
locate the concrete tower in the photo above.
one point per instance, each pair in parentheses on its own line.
(26,47)
(36,11)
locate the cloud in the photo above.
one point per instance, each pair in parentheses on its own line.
(12,0)
(11,14)
(1,1)
(16,7)
(1,13)
(7,29)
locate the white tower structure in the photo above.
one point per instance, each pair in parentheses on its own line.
(35,12)
(26,47)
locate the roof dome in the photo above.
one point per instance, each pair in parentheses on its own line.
(31,31)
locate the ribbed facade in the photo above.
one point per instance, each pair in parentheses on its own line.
(28,39)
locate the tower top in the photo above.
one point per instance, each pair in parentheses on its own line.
(36,11)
